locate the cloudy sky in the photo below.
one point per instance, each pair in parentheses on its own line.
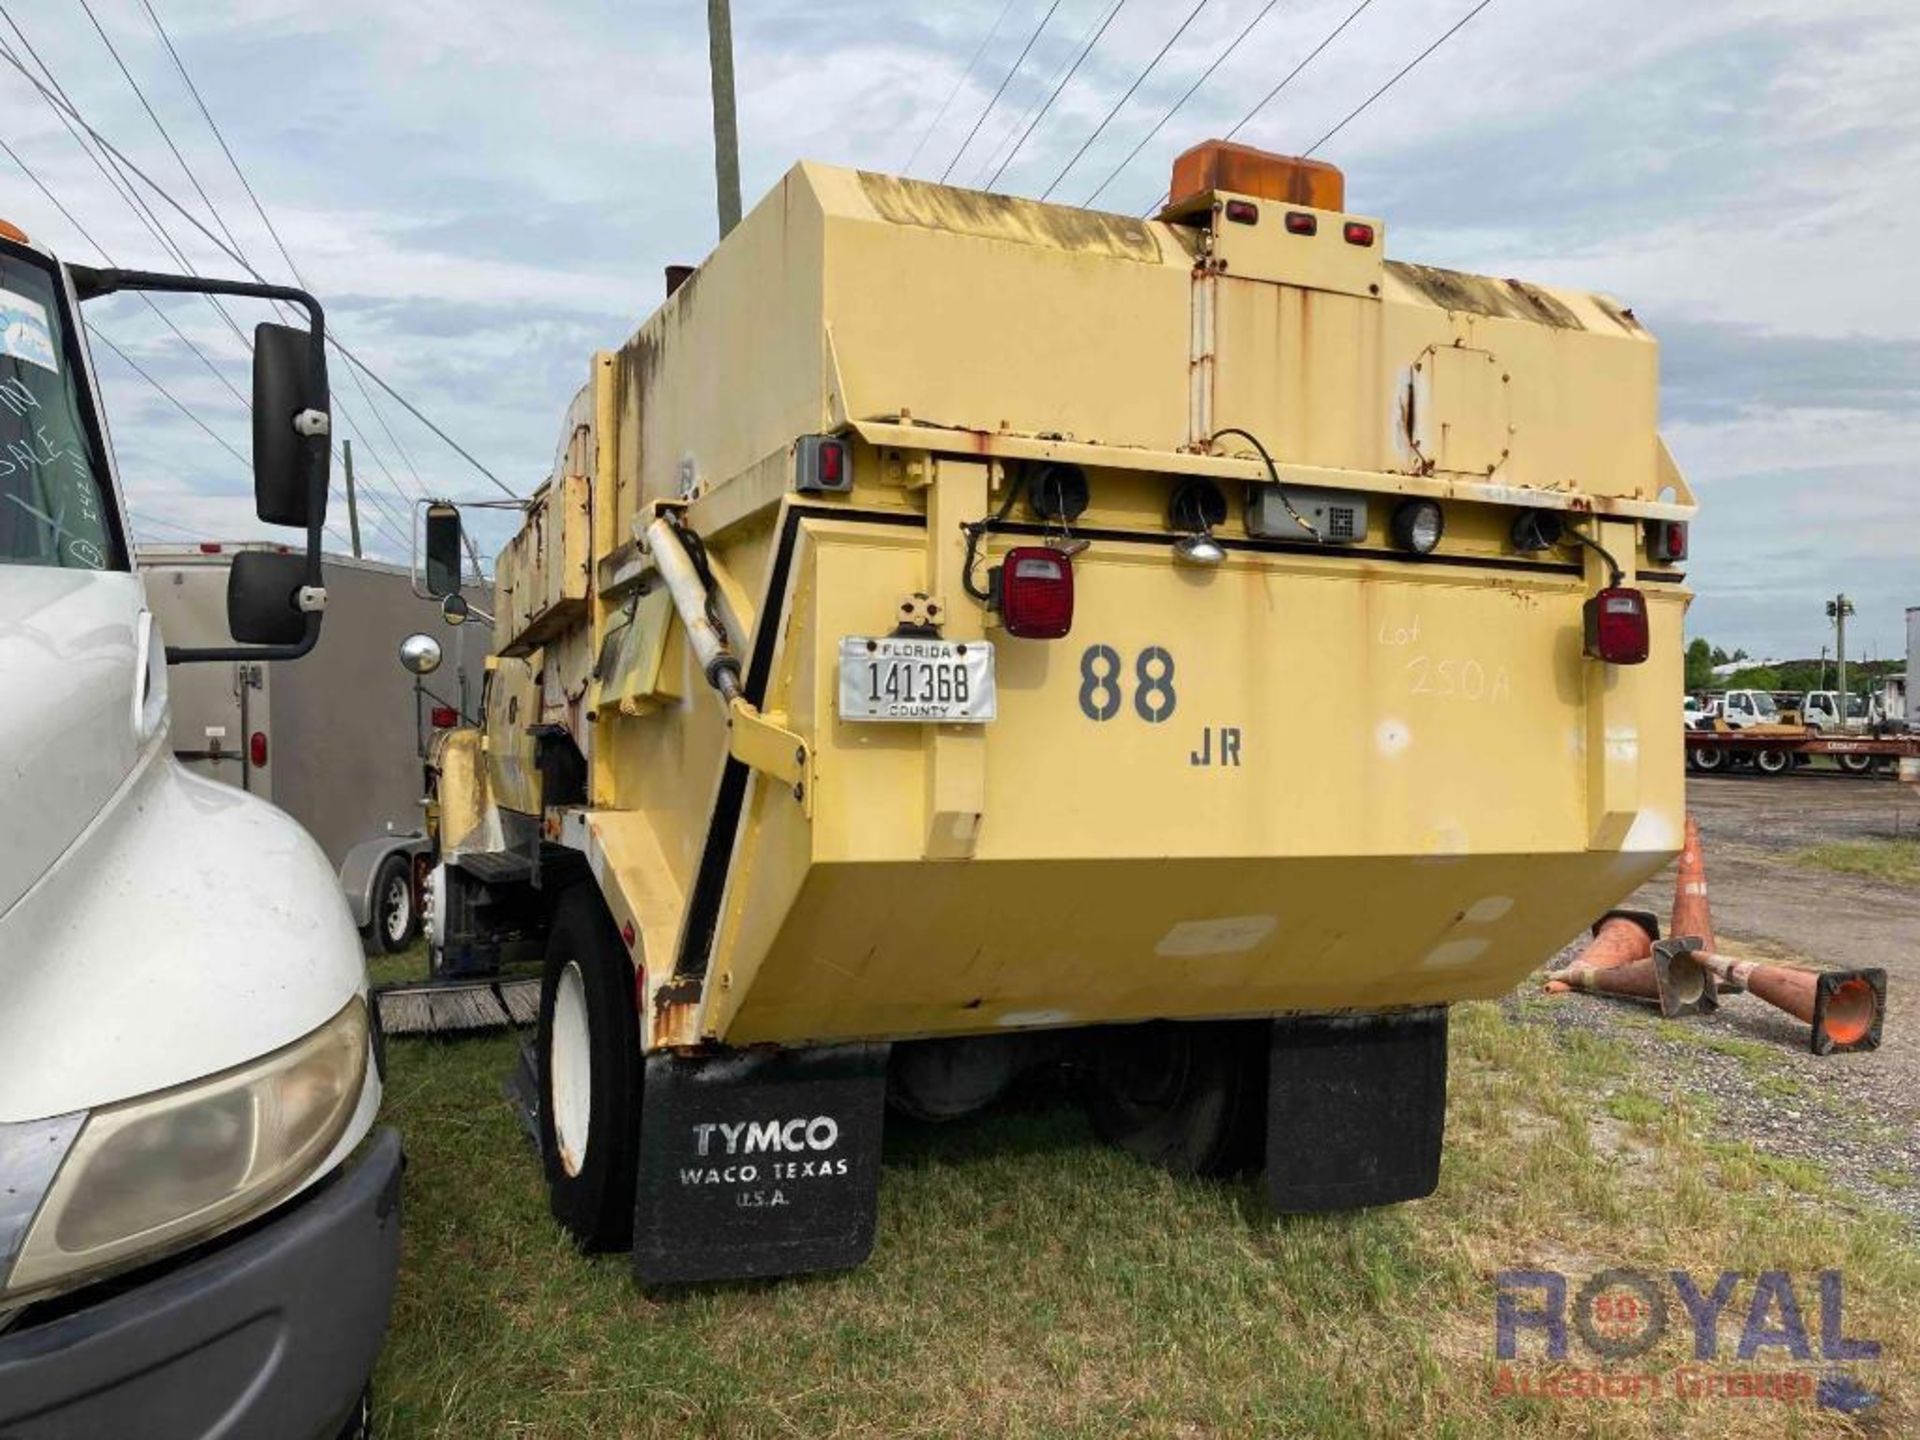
(483,191)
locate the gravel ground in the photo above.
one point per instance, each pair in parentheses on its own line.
(1856,1116)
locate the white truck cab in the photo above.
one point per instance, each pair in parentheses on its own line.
(1742,709)
(1821,711)
(199,1221)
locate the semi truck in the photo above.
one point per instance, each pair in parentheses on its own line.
(199,1217)
(336,739)
(895,689)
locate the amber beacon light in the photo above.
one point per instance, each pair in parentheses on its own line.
(1243,170)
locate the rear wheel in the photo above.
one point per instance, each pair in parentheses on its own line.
(1189,1097)
(1855,764)
(588,1045)
(1707,758)
(396,918)
(1772,762)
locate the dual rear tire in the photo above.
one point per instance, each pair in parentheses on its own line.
(1188,1097)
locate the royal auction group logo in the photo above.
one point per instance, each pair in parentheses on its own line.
(1595,1334)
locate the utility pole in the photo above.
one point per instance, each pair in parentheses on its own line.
(1838,609)
(726,129)
(353,502)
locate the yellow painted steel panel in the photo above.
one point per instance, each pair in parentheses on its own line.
(1282,714)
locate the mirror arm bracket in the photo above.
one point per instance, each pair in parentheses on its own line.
(91,282)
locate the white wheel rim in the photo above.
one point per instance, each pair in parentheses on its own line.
(570,1070)
(394,907)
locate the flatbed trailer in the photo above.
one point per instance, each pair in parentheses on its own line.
(1780,749)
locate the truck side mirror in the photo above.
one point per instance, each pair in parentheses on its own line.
(290,427)
(443,545)
(263,598)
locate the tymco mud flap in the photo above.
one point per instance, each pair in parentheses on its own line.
(1356,1109)
(760,1162)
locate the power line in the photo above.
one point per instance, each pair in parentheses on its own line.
(164,319)
(1085,51)
(259,209)
(186,410)
(373,495)
(88,236)
(159,313)
(1359,109)
(115,180)
(192,219)
(141,96)
(1013,128)
(960,80)
(1119,104)
(1287,80)
(980,119)
(178,529)
(1179,104)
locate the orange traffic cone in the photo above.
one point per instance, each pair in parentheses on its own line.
(1691,915)
(1844,1007)
(1620,937)
(1672,975)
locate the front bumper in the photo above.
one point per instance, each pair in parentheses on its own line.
(274,1334)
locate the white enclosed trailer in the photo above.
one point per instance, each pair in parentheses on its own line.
(335,740)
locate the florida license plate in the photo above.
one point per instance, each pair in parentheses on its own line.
(946,682)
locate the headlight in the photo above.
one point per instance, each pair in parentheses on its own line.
(162,1171)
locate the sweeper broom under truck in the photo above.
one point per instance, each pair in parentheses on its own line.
(898,686)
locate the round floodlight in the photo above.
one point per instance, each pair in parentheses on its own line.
(1201,549)
(1418,526)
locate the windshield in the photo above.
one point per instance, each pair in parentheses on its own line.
(53,486)
(1763,705)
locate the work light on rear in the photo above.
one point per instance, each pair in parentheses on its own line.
(1036,593)
(1418,525)
(1617,626)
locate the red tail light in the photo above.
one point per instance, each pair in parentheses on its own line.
(1036,593)
(445,717)
(209,547)
(257,748)
(1617,626)
(1667,540)
(1299,222)
(1243,212)
(1359,234)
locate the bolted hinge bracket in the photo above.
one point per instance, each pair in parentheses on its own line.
(763,743)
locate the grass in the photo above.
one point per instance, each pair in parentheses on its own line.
(1030,1281)
(1895,861)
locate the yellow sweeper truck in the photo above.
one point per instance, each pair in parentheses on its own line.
(960,634)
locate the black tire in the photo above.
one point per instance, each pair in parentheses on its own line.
(395,917)
(1190,1097)
(1855,764)
(1707,759)
(1772,762)
(592,1195)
